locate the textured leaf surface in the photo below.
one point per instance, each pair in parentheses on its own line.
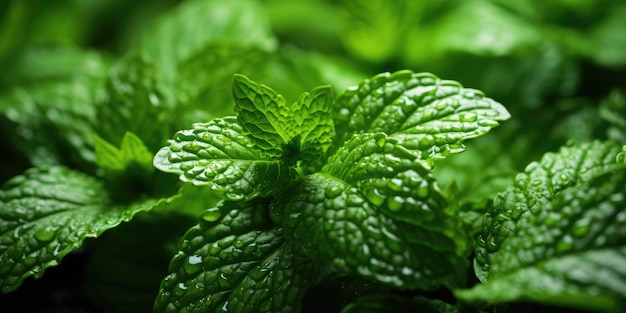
(219,155)
(429,116)
(379,214)
(570,252)
(134,100)
(235,260)
(195,24)
(305,126)
(536,187)
(45,214)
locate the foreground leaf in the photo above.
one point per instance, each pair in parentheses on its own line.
(429,116)
(571,252)
(217,154)
(536,187)
(377,212)
(235,260)
(48,212)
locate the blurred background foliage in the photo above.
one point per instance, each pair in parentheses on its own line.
(75,68)
(558,66)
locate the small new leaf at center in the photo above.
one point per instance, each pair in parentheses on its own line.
(304,128)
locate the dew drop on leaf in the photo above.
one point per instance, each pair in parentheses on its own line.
(212,215)
(469,117)
(332,191)
(45,234)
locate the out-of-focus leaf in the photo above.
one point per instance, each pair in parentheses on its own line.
(397,304)
(134,100)
(195,24)
(51,110)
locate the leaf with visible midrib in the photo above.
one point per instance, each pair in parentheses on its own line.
(48,212)
(429,116)
(217,154)
(235,260)
(570,252)
(537,186)
(375,211)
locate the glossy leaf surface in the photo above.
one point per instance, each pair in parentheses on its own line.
(569,252)
(429,116)
(389,223)
(235,259)
(48,212)
(536,187)
(217,154)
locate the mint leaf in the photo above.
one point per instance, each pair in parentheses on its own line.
(541,181)
(195,24)
(385,203)
(429,116)
(131,151)
(51,111)
(134,100)
(48,212)
(305,126)
(235,259)
(205,95)
(569,252)
(217,154)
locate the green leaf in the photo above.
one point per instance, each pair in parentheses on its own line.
(535,188)
(217,154)
(134,100)
(52,108)
(131,151)
(235,260)
(206,94)
(429,116)
(195,24)
(378,214)
(570,252)
(48,212)
(304,128)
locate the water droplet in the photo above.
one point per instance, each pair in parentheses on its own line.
(468,117)
(45,234)
(440,105)
(488,123)
(395,204)
(621,157)
(182,286)
(332,191)
(195,259)
(212,215)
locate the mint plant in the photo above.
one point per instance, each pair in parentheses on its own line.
(148,170)
(302,201)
